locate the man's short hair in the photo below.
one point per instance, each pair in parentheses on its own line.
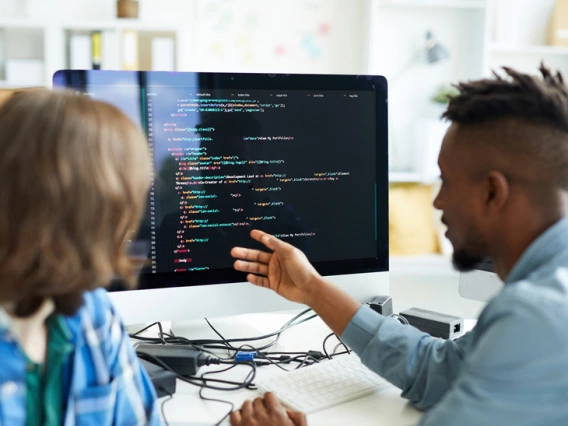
(536,109)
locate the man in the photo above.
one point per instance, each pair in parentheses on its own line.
(504,164)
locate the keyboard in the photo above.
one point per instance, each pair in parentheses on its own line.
(323,385)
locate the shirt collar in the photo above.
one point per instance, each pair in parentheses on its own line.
(8,322)
(551,242)
(5,321)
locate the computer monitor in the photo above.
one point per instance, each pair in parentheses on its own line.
(303,157)
(481,284)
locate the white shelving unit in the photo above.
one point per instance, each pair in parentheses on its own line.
(454,4)
(394,34)
(48,42)
(471,31)
(536,50)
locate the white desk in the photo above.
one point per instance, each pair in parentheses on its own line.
(186,408)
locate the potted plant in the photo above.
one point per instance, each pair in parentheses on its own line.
(442,97)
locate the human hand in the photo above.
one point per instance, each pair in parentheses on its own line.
(287,271)
(266,411)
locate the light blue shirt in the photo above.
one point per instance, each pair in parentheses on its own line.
(511,369)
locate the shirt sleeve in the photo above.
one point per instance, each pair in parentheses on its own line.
(513,376)
(135,397)
(422,366)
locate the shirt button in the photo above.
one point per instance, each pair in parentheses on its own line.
(9,388)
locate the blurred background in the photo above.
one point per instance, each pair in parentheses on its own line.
(421,46)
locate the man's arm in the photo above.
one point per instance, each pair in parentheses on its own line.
(421,366)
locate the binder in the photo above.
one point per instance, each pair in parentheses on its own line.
(96,49)
(130,50)
(80,52)
(110,50)
(163,54)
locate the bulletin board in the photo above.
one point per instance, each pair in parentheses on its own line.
(273,35)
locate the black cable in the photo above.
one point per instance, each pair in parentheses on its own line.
(324,341)
(288,325)
(304,362)
(188,379)
(170,397)
(211,344)
(347,350)
(218,400)
(143,330)
(219,334)
(161,335)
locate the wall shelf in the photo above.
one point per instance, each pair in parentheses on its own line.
(451,4)
(120,25)
(529,50)
(410,177)
(20,85)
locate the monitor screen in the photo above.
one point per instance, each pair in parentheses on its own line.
(302,157)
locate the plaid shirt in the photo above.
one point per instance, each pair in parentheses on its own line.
(104,384)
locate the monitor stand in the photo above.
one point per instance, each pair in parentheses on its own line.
(233,327)
(230,327)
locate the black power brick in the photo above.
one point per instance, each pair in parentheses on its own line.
(434,323)
(164,381)
(184,360)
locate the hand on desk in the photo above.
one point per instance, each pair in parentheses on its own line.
(266,411)
(287,271)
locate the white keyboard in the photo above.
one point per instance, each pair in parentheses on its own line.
(323,385)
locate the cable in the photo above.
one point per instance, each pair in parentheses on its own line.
(215,344)
(277,333)
(400,319)
(143,330)
(170,397)
(219,334)
(218,400)
(347,350)
(191,379)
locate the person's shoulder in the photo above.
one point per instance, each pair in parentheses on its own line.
(536,304)
(542,291)
(97,303)
(97,311)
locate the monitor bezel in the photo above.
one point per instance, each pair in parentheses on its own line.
(80,79)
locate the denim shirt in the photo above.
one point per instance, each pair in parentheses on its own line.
(511,369)
(103,382)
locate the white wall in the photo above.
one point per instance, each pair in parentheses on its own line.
(318,36)
(289,36)
(429,282)
(397,51)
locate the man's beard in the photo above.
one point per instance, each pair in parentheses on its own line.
(465,262)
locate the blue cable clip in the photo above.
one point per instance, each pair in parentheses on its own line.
(243,356)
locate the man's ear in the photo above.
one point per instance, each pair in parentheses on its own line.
(497,190)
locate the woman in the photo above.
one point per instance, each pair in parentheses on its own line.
(74,174)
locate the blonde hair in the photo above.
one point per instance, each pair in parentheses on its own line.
(74,175)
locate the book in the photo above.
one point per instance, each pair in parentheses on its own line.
(96,49)
(163,54)
(80,52)
(110,50)
(129,50)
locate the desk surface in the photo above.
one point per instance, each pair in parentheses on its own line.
(385,407)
